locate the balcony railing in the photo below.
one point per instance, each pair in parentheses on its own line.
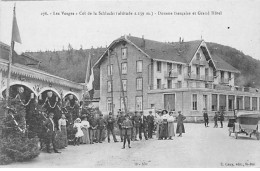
(224,80)
(170,74)
(209,78)
(194,77)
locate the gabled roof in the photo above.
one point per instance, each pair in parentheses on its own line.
(179,52)
(223,65)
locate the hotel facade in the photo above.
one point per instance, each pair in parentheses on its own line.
(178,76)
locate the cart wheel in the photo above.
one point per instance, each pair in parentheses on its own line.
(236,135)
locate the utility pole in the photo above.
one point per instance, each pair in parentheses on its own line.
(111,80)
(121,82)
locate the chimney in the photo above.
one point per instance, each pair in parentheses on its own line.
(180,40)
(143,42)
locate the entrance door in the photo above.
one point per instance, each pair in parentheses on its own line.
(169,102)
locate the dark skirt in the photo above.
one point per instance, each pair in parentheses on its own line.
(164,130)
(180,128)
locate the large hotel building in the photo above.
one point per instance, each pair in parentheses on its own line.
(174,76)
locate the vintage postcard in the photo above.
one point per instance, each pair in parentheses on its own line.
(130,84)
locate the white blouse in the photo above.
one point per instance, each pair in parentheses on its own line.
(85,124)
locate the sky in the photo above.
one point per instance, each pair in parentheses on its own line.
(238,24)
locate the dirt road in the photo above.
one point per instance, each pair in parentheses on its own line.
(199,147)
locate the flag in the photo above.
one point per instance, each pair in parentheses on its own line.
(89,75)
(15,30)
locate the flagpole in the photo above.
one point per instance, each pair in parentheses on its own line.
(10,63)
(86,93)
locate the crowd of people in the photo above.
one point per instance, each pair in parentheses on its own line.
(89,129)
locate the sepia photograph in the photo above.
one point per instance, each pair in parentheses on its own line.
(129,84)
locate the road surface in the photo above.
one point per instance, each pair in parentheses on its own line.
(199,147)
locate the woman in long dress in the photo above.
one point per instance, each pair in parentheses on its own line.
(180,127)
(85,126)
(79,133)
(63,130)
(171,126)
(164,131)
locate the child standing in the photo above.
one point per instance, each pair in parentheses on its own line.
(79,133)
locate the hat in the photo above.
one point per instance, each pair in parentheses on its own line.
(164,111)
(110,113)
(127,116)
(150,111)
(179,111)
(77,120)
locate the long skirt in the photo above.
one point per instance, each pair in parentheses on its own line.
(158,131)
(64,135)
(85,138)
(164,131)
(171,129)
(180,128)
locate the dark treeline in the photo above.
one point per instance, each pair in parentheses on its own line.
(71,63)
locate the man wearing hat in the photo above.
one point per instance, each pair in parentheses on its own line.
(120,120)
(50,133)
(180,127)
(206,117)
(110,127)
(101,126)
(126,126)
(136,119)
(150,121)
(92,129)
(143,126)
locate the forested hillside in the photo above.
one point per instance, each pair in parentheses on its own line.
(71,63)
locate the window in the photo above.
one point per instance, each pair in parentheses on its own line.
(229,75)
(205,101)
(222,102)
(152,106)
(194,102)
(179,84)
(124,85)
(110,70)
(247,103)
(254,103)
(179,68)
(159,82)
(198,70)
(124,68)
(139,66)
(222,74)
(214,102)
(122,106)
(109,86)
(198,57)
(159,66)
(169,83)
(231,101)
(109,104)
(139,103)
(139,83)
(124,53)
(169,67)
(206,72)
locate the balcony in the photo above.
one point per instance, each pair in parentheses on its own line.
(209,78)
(224,80)
(194,77)
(170,74)
(199,62)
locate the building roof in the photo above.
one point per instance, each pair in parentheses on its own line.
(24,58)
(223,65)
(179,52)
